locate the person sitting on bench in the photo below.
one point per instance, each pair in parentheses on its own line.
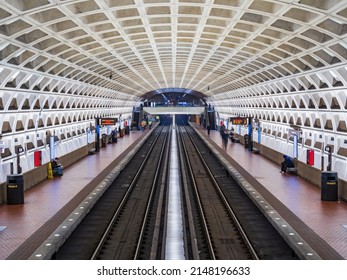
(57,167)
(231,135)
(287,162)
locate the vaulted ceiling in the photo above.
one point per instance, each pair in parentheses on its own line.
(64,63)
(139,46)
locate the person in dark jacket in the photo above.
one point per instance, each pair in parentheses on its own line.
(231,135)
(57,167)
(287,162)
(224,136)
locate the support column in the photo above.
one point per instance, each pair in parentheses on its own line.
(52,147)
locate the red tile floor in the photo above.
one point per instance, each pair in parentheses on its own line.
(48,203)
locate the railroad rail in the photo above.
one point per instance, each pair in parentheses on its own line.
(117,226)
(132,219)
(224,235)
(257,233)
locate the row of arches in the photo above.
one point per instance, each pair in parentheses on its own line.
(334,79)
(28,80)
(336,122)
(311,109)
(39,136)
(39,139)
(310,139)
(15,123)
(33,101)
(305,101)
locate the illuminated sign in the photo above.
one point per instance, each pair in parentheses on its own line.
(238,120)
(109,121)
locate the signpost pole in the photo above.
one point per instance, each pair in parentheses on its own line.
(97,138)
(250,136)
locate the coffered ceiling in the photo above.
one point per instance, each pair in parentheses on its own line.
(138,46)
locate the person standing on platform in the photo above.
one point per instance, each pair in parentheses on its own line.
(224,136)
(225,139)
(208,129)
(143,125)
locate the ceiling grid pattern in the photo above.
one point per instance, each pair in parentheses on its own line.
(247,41)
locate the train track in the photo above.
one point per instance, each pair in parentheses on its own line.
(223,235)
(130,221)
(236,227)
(121,224)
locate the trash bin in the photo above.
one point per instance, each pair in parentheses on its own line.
(329,186)
(15,189)
(246,140)
(127,131)
(103,140)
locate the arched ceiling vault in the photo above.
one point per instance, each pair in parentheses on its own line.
(138,46)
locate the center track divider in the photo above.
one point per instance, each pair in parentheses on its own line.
(174,245)
(297,243)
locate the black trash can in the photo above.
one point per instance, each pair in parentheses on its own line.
(103,140)
(246,140)
(15,189)
(127,131)
(329,186)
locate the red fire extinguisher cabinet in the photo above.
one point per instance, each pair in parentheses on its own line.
(310,157)
(37,158)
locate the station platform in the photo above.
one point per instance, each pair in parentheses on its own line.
(322,224)
(24,227)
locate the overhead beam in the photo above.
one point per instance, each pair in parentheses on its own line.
(174,110)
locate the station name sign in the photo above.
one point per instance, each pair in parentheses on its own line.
(238,120)
(108,121)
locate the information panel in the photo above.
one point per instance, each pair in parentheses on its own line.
(109,121)
(238,120)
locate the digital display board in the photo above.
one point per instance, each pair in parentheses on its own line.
(238,120)
(109,121)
